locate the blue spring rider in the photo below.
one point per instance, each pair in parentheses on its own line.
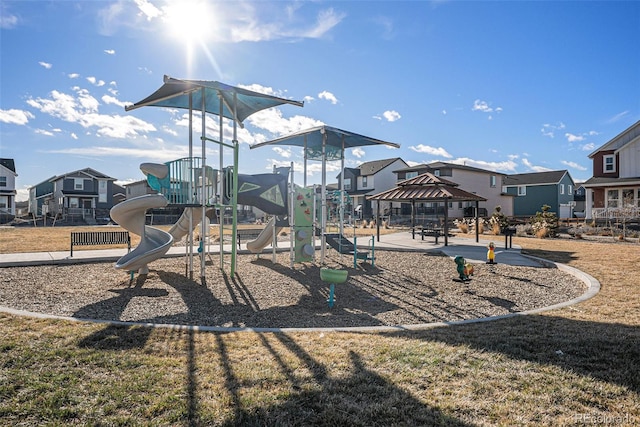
(332,276)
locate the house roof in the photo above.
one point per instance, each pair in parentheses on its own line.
(606,182)
(92,173)
(535,178)
(438,165)
(632,133)
(9,164)
(373,167)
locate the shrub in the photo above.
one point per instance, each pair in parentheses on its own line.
(498,221)
(545,220)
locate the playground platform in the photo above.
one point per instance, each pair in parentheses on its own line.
(474,252)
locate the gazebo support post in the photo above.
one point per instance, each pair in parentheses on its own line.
(413,218)
(377,221)
(477,221)
(446,221)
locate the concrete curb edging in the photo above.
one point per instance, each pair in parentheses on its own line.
(593,287)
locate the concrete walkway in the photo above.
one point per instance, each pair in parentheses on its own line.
(472,251)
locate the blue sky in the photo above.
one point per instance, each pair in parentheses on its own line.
(508,86)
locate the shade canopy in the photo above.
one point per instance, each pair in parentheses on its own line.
(334,139)
(174,93)
(427,188)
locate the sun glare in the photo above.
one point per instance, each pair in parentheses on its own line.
(189,21)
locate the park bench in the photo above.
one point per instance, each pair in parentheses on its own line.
(99,238)
(248,234)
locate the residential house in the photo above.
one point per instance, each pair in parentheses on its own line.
(614,189)
(83,195)
(484,183)
(535,189)
(137,189)
(366,179)
(7,190)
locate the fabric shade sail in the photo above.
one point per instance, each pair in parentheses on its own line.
(334,140)
(174,93)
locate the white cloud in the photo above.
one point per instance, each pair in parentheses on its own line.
(110,51)
(391,115)
(573,138)
(7,20)
(308,99)
(45,65)
(43,132)
(271,120)
(588,147)
(617,117)
(534,168)
(283,152)
(74,136)
(506,167)
(444,112)
(358,152)
(16,117)
(159,154)
(549,130)
(328,96)
(112,100)
(441,152)
(573,165)
(326,20)
(148,10)
(82,109)
(95,81)
(73,75)
(484,107)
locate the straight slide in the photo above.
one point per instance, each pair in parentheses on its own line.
(265,237)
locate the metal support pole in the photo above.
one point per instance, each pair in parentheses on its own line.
(234,198)
(202,202)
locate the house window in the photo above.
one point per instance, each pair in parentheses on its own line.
(627,198)
(102,198)
(561,188)
(364,182)
(492,181)
(3,181)
(612,198)
(74,202)
(78,183)
(459,205)
(570,189)
(347,184)
(4,202)
(638,198)
(411,174)
(522,190)
(436,172)
(609,163)
(103,184)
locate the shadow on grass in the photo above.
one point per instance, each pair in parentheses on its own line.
(362,398)
(609,352)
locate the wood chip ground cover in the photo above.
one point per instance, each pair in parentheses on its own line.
(402,288)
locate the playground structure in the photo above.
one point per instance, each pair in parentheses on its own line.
(198,188)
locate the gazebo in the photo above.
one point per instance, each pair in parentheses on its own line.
(427,188)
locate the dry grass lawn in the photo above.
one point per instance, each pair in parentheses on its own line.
(574,366)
